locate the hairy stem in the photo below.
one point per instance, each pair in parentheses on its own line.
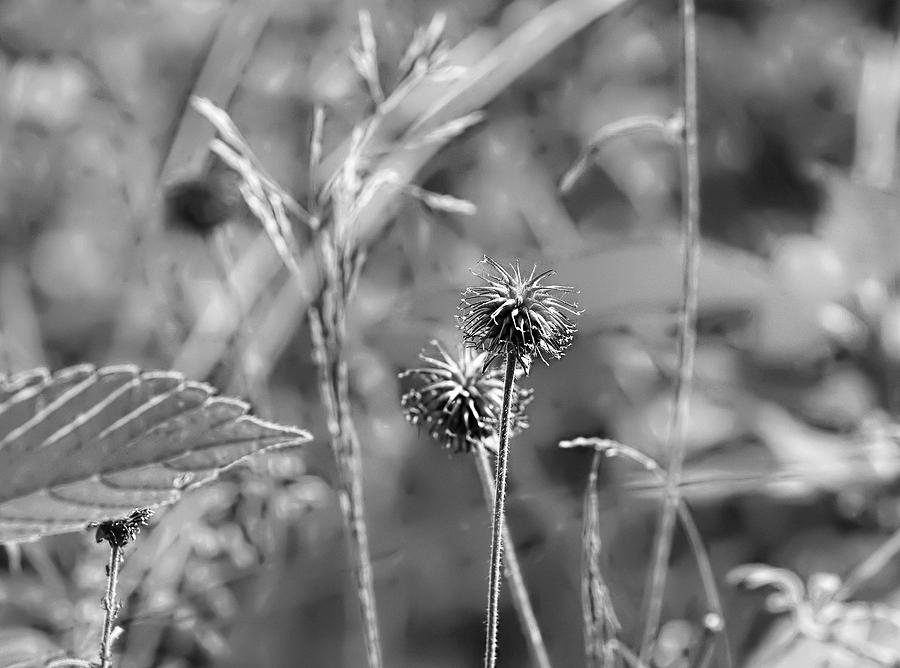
(493,611)
(687,332)
(512,569)
(110,605)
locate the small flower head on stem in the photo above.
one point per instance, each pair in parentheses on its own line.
(518,315)
(459,400)
(118,533)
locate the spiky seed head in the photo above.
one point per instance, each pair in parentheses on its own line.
(514,314)
(458,400)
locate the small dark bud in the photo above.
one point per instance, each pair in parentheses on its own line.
(200,205)
(119,533)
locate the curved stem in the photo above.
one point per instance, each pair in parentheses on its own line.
(110,605)
(493,611)
(687,334)
(513,571)
(620,128)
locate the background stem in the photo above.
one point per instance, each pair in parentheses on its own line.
(687,332)
(493,611)
(512,569)
(601,624)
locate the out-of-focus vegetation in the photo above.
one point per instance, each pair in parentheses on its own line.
(793,453)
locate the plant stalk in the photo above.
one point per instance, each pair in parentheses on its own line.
(601,624)
(687,332)
(334,388)
(110,604)
(512,570)
(493,611)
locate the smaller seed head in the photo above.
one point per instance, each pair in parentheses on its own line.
(458,400)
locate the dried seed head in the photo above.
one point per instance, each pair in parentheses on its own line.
(458,400)
(514,314)
(120,532)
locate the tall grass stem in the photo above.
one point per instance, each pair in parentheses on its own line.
(327,342)
(601,624)
(687,331)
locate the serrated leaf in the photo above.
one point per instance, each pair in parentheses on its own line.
(87,445)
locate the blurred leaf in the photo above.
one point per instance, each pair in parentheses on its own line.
(86,444)
(233,47)
(26,648)
(789,586)
(625,279)
(862,225)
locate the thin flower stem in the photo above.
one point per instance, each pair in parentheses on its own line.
(687,332)
(493,611)
(512,569)
(110,605)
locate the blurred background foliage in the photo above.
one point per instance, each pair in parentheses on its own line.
(793,458)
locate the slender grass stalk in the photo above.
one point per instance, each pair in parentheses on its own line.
(601,624)
(630,658)
(513,571)
(499,516)
(869,567)
(110,604)
(334,387)
(714,622)
(687,332)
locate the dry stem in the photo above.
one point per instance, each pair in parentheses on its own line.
(110,605)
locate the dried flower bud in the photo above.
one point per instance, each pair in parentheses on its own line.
(119,533)
(458,400)
(514,314)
